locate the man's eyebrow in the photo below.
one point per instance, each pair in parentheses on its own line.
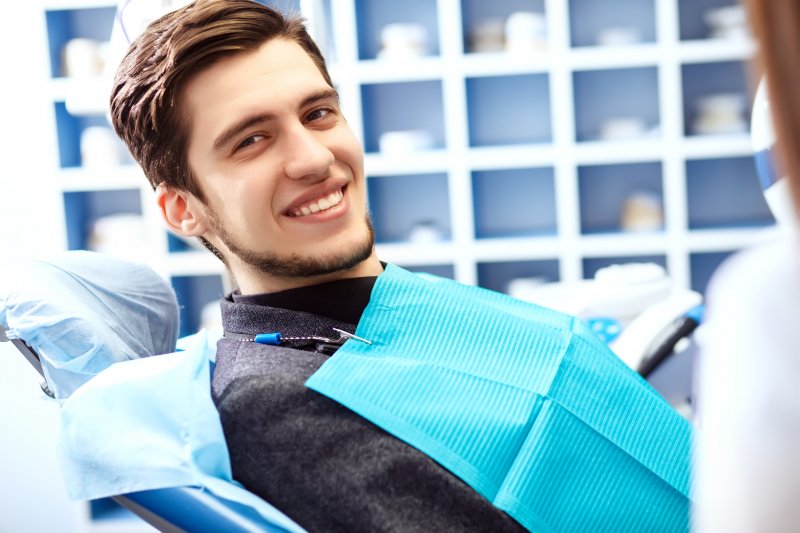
(324,94)
(238,127)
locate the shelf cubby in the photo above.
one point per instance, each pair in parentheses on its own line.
(507,110)
(374,16)
(725,193)
(63,25)
(497,275)
(612,23)
(70,129)
(194,293)
(616,104)
(702,266)
(483,24)
(403,107)
(620,197)
(411,208)
(514,202)
(694,15)
(716,98)
(83,209)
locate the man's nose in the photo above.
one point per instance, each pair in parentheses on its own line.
(307,156)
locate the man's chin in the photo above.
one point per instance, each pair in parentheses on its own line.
(304,267)
(346,257)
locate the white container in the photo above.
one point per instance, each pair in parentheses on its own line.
(619,36)
(100,147)
(622,128)
(403,41)
(526,31)
(722,113)
(82,58)
(404,142)
(727,22)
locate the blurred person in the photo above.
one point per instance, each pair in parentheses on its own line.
(748,464)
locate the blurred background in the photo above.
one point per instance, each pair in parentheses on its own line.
(508,144)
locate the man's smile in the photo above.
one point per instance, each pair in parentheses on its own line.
(321,203)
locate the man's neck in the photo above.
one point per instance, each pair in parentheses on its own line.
(253,282)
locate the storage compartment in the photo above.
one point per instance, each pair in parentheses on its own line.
(88,141)
(397,30)
(198,301)
(77,39)
(612,22)
(507,110)
(716,99)
(412,208)
(106,221)
(514,202)
(616,104)
(511,25)
(499,276)
(725,193)
(403,118)
(712,19)
(624,197)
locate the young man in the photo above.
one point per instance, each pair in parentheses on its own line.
(230,111)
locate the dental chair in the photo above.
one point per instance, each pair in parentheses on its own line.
(81,306)
(173,509)
(77,316)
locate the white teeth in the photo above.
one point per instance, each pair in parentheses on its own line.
(320,205)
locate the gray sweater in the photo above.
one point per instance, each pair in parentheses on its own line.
(320,463)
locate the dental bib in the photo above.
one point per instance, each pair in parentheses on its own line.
(523,403)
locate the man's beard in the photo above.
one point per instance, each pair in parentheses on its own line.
(295,265)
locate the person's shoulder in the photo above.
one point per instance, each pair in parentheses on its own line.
(761,274)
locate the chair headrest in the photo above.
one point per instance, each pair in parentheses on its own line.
(83,311)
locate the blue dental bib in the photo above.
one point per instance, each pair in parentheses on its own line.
(523,403)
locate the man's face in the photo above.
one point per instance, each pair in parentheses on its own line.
(280,169)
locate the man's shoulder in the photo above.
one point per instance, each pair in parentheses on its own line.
(239,363)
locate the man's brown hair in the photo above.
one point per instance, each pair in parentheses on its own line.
(776,24)
(146,108)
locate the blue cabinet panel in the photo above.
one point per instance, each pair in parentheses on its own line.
(514,202)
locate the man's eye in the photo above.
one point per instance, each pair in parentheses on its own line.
(318,114)
(249,141)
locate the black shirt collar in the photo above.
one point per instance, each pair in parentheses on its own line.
(343,300)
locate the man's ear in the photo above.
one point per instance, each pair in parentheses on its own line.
(182,211)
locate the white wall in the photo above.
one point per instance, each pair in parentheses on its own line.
(30,208)
(32,496)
